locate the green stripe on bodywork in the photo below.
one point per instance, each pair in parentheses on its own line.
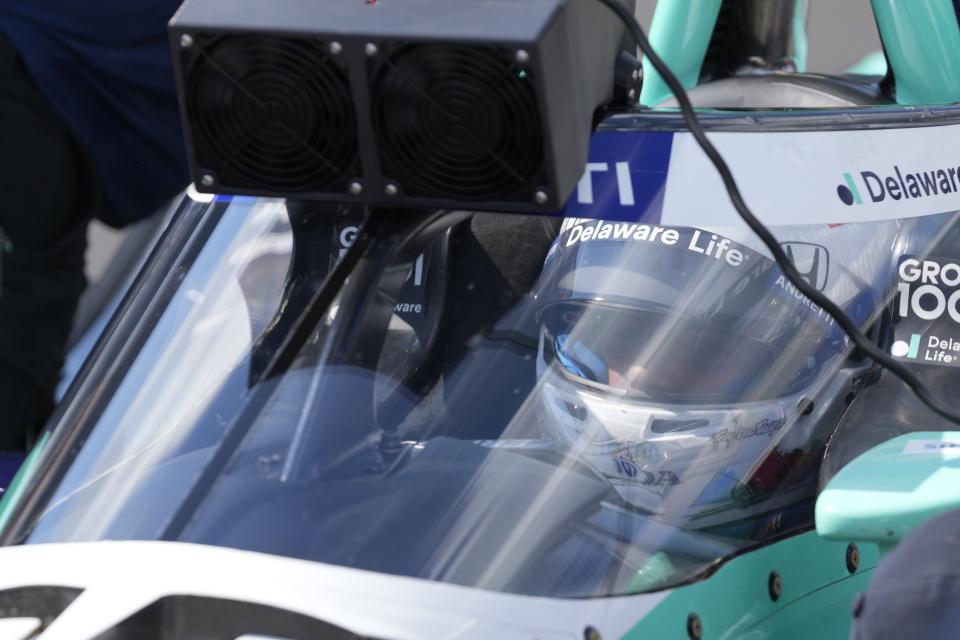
(914,346)
(818,593)
(853,188)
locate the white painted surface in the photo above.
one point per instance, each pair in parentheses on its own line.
(792,178)
(120,578)
(18,628)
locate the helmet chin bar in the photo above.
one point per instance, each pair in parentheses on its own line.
(676,460)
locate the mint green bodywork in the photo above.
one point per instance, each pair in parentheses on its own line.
(873,502)
(922,41)
(872,64)
(680,33)
(865,502)
(735,602)
(921,38)
(892,488)
(26,471)
(882,495)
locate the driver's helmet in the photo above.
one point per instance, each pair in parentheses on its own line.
(684,366)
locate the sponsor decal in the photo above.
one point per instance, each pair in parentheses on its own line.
(898,184)
(624,178)
(927,311)
(903,349)
(626,468)
(709,245)
(412,299)
(848,192)
(728,437)
(928,289)
(934,349)
(792,290)
(347,236)
(811,260)
(820,177)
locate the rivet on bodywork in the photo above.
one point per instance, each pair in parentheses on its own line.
(591,633)
(694,627)
(774,585)
(853,558)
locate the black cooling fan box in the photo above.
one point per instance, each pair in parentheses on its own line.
(486,104)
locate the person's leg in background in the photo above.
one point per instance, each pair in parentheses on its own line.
(47,196)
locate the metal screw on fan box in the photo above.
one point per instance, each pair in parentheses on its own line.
(186,41)
(391,190)
(370,49)
(207,180)
(356,188)
(336,48)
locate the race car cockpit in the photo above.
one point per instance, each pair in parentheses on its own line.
(610,396)
(584,408)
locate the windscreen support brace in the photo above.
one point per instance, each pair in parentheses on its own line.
(381,226)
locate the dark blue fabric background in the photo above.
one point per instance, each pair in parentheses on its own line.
(105,66)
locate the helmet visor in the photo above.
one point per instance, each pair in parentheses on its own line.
(648,354)
(663,322)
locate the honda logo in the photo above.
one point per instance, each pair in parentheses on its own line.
(811,260)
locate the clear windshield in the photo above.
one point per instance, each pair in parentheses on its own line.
(682,314)
(447,419)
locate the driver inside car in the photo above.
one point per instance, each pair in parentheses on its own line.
(644,404)
(702,386)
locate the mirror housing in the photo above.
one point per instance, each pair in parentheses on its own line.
(892,488)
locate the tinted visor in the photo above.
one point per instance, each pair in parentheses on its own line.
(651,355)
(667,322)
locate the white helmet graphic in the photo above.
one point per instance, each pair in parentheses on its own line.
(687,370)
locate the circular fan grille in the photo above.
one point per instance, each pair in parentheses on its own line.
(271,113)
(458,122)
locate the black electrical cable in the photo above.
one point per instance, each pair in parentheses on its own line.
(832,309)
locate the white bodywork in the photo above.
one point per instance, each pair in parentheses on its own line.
(120,578)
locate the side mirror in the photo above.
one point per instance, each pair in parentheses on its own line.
(892,488)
